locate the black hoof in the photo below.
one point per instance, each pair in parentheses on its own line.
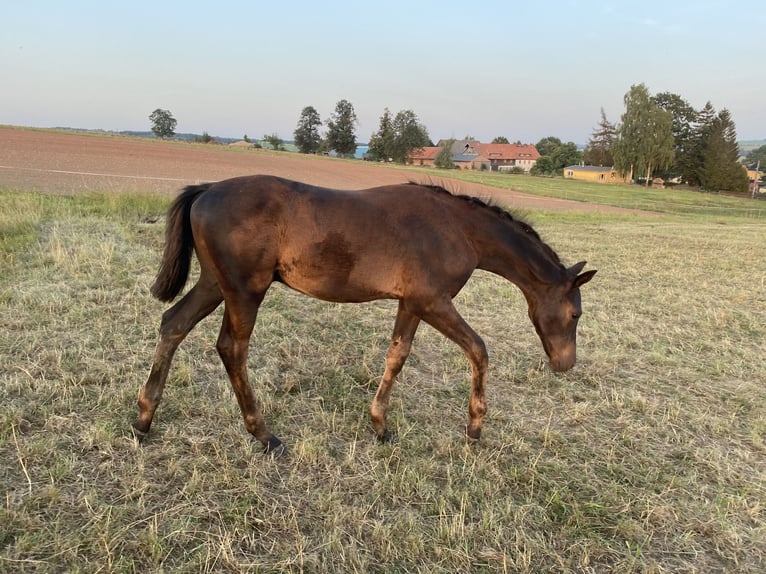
(275,447)
(472,436)
(387,437)
(138,434)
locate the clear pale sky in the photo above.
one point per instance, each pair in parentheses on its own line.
(523,70)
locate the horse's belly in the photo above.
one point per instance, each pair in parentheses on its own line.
(335,288)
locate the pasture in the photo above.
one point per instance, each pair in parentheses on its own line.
(649,456)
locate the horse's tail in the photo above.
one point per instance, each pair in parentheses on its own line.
(179,244)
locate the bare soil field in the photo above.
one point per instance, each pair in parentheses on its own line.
(61,162)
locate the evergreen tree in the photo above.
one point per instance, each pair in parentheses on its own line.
(341,135)
(599,148)
(500,140)
(306,134)
(701,135)
(382,142)
(721,169)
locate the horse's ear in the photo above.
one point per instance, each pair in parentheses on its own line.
(577,278)
(576,268)
(584,278)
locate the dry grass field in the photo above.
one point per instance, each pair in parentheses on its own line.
(648,457)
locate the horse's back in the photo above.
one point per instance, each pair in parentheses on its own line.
(337,245)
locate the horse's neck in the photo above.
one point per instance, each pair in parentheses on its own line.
(508,251)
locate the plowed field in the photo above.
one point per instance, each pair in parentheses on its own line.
(61,162)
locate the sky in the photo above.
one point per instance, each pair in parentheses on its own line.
(486,68)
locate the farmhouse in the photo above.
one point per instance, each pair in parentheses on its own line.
(505,157)
(593,173)
(423,156)
(471,154)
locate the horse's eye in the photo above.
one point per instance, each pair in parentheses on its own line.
(576,316)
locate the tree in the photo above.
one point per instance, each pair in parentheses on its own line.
(599,148)
(555,155)
(700,137)
(757,155)
(163,123)
(341,136)
(397,137)
(566,154)
(721,169)
(382,142)
(543,166)
(661,151)
(644,138)
(443,157)
(409,133)
(685,162)
(546,145)
(275,142)
(500,140)
(306,134)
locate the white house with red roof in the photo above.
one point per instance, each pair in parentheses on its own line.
(471,154)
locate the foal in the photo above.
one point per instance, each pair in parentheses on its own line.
(417,244)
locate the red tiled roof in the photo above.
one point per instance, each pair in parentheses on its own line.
(424,153)
(508,151)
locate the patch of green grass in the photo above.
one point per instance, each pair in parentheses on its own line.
(648,457)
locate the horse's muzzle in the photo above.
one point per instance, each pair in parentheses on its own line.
(561,362)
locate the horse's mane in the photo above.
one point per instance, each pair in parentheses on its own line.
(515,220)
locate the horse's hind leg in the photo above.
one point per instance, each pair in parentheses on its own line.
(398,351)
(233,342)
(177,321)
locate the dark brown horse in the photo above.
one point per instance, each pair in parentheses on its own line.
(418,244)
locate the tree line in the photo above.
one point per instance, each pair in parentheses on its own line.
(395,139)
(663,136)
(658,135)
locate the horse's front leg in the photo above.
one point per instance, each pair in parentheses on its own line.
(401,341)
(177,321)
(444,317)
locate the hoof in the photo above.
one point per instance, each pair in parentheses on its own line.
(472,435)
(387,437)
(275,447)
(138,434)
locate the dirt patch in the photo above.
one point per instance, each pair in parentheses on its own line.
(60,162)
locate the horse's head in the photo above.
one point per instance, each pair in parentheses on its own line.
(555,313)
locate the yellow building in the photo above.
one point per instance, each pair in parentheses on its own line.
(753,174)
(593,173)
